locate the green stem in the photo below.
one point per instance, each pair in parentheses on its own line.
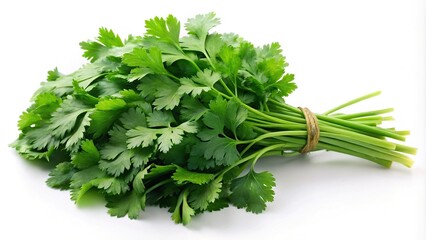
(363,114)
(269,135)
(368,129)
(226,88)
(351,102)
(265,150)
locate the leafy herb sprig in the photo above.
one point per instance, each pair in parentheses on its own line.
(180,122)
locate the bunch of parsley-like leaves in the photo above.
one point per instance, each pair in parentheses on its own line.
(180,122)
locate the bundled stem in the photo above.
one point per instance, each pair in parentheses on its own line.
(354,134)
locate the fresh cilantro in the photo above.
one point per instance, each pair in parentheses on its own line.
(206,194)
(180,121)
(60,176)
(183,212)
(165,137)
(130,204)
(252,191)
(88,157)
(182,176)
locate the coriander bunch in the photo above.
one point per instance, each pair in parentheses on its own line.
(181,121)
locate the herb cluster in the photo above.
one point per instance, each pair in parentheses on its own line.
(180,122)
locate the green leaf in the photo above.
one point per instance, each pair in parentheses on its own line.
(138,185)
(245,132)
(102,122)
(192,109)
(27,119)
(138,73)
(109,39)
(116,144)
(160,119)
(85,76)
(52,75)
(72,141)
(283,87)
(109,87)
(218,106)
(182,176)
(169,136)
(41,138)
(110,185)
(201,24)
(100,49)
(188,126)
(117,166)
(88,157)
(60,177)
(214,44)
(218,204)
(214,122)
(198,28)
(235,115)
(183,212)
(46,99)
(93,50)
(65,118)
(134,117)
(85,176)
(131,96)
(117,157)
(130,204)
(252,191)
(196,161)
(207,78)
(231,62)
(190,87)
(167,95)
(141,156)
(111,104)
(150,60)
(78,193)
(222,150)
(141,136)
(46,104)
(205,194)
(164,30)
(173,136)
(202,82)
(193,43)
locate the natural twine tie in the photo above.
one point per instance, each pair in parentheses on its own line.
(312,129)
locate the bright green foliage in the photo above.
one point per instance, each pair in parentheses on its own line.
(101,48)
(130,204)
(183,212)
(60,177)
(147,61)
(181,121)
(88,157)
(252,191)
(182,176)
(163,138)
(206,194)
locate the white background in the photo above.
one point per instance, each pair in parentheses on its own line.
(338,50)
